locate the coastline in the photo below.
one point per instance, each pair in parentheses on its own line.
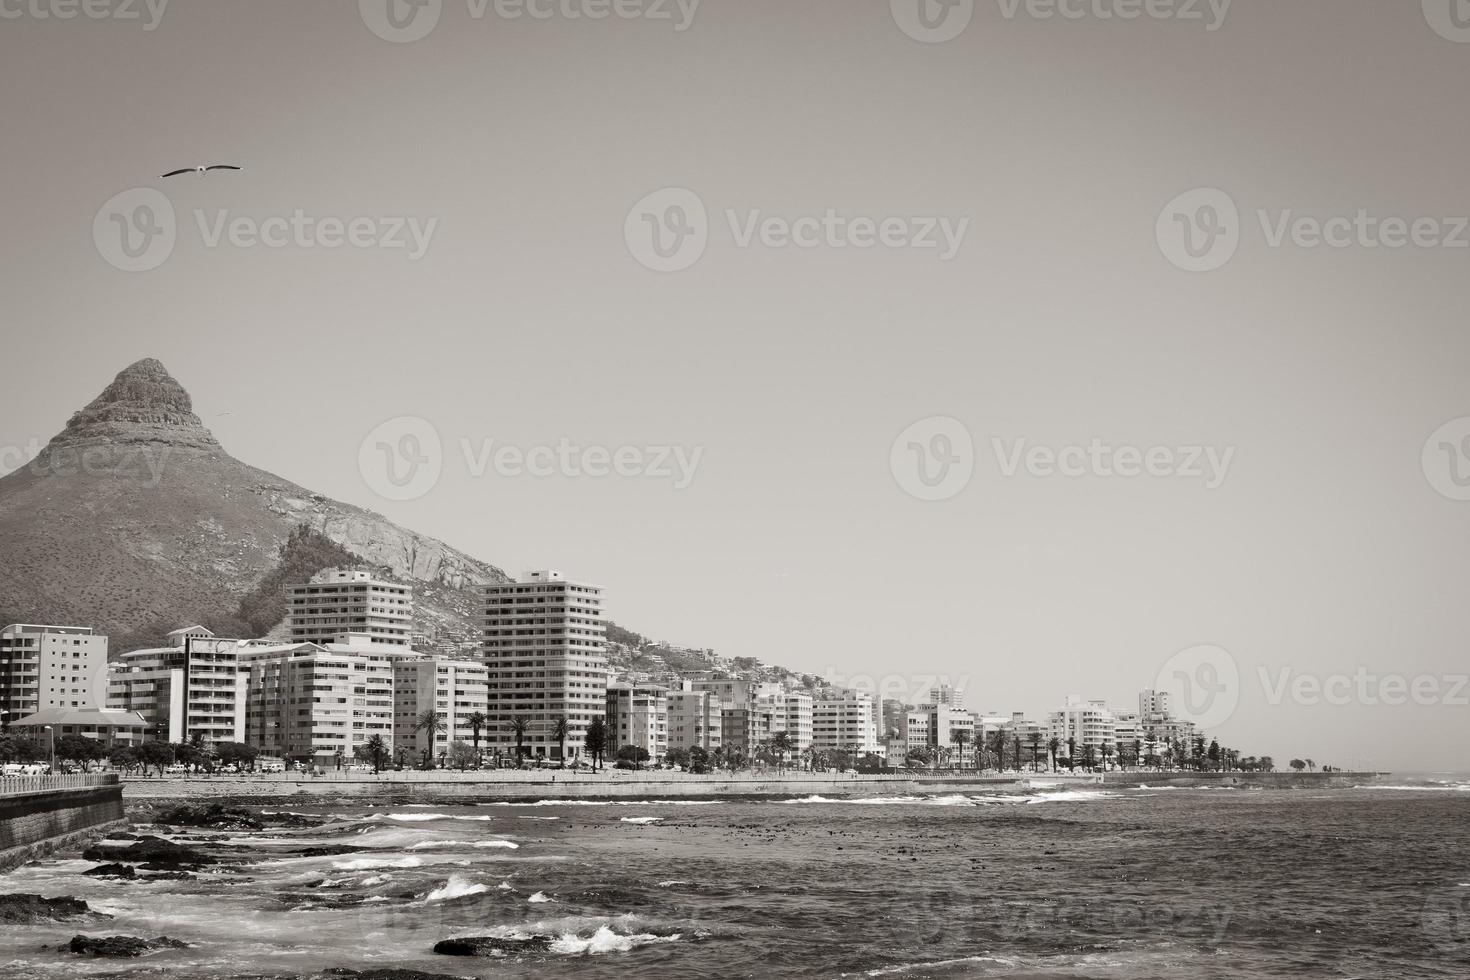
(528,787)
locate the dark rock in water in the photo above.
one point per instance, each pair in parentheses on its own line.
(166,875)
(292,821)
(111,871)
(215,816)
(154,850)
(120,946)
(486,945)
(329,850)
(34,908)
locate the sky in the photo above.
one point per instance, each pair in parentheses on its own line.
(1044,354)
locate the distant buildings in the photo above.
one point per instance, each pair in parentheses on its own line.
(544,648)
(343,602)
(111,728)
(50,667)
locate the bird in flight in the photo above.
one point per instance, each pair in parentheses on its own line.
(198,170)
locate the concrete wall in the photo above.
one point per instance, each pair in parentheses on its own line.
(1244,780)
(542,786)
(34,823)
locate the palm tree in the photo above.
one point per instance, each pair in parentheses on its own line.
(1035,739)
(431,722)
(559,732)
(959,737)
(596,739)
(1053,746)
(375,750)
(1071,753)
(999,744)
(477,722)
(1137,753)
(1016,751)
(781,743)
(519,726)
(1107,753)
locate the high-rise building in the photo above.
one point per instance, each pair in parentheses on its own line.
(544,649)
(848,723)
(190,688)
(1153,704)
(312,703)
(1087,723)
(638,715)
(454,689)
(947,695)
(50,667)
(345,605)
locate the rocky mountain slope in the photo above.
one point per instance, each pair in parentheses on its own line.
(135,520)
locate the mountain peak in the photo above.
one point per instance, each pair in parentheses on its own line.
(144,404)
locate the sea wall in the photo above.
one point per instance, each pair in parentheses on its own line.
(614,784)
(1244,780)
(36,819)
(545,786)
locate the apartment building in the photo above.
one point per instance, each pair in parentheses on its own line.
(1086,723)
(191,688)
(457,690)
(545,652)
(316,703)
(848,723)
(695,719)
(345,605)
(947,695)
(638,715)
(50,667)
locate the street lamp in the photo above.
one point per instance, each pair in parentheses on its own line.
(53,748)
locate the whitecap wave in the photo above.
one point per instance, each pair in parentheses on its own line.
(605,940)
(456,887)
(540,898)
(642,820)
(364,864)
(425,845)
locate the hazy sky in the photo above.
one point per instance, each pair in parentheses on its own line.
(1062,317)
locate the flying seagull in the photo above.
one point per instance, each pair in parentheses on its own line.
(198,170)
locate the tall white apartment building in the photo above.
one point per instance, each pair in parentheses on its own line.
(50,667)
(848,723)
(1086,722)
(342,605)
(695,719)
(190,688)
(638,715)
(545,653)
(313,703)
(799,719)
(455,689)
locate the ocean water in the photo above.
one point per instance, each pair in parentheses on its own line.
(1130,884)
